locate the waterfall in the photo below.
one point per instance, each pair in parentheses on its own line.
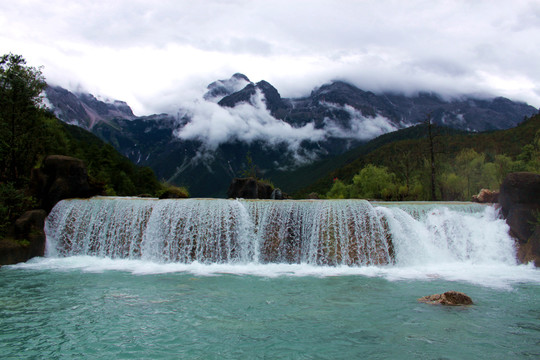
(327,232)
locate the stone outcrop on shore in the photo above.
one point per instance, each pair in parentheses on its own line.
(519,200)
(60,177)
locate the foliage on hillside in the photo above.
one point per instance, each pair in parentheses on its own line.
(301,180)
(28,133)
(465,163)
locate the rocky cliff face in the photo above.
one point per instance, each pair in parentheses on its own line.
(84,109)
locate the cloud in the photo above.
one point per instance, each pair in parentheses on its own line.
(251,121)
(156,55)
(361,127)
(246,122)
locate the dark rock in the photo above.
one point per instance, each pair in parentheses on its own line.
(12,251)
(277,195)
(519,188)
(61,177)
(486,196)
(520,205)
(30,227)
(530,251)
(221,88)
(447,298)
(249,188)
(28,240)
(313,196)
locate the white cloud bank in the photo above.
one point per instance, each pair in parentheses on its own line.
(361,127)
(246,122)
(155,55)
(251,121)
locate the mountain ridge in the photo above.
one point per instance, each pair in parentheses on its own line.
(333,119)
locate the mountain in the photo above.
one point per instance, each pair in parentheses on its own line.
(84,109)
(221,88)
(341,102)
(209,142)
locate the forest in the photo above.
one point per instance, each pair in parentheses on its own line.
(462,165)
(29,132)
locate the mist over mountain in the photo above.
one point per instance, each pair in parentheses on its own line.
(205,144)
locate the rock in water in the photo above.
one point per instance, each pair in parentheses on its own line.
(447,298)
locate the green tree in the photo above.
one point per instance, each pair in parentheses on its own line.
(503,165)
(338,191)
(13,202)
(20,100)
(374,182)
(433,173)
(251,168)
(529,158)
(453,186)
(469,165)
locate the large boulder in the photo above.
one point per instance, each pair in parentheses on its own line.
(519,188)
(530,251)
(520,205)
(27,239)
(249,188)
(277,194)
(61,177)
(447,298)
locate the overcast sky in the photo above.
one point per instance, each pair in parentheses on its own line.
(159,55)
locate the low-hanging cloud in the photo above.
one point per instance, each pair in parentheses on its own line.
(251,121)
(360,127)
(247,122)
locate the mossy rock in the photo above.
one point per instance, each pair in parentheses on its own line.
(174,192)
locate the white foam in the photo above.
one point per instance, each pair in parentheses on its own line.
(501,276)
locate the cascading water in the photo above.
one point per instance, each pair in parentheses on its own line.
(340,232)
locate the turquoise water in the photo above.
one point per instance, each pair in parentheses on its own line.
(110,309)
(227,279)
